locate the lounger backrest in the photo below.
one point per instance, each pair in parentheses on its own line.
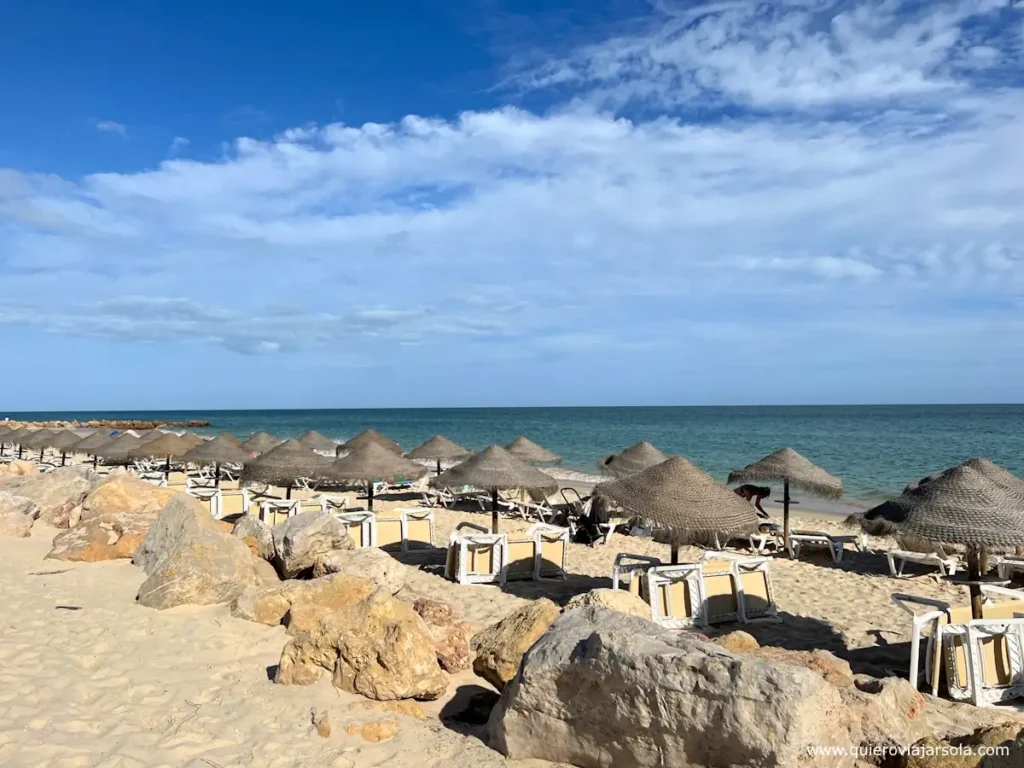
(757,593)
(389,532)
(231,502)
(419,529)
(176,478)
(674,594)
(996,667)
(480,559)
(522,558)
(721,599)
(207,502)
(552,553)
(674,600)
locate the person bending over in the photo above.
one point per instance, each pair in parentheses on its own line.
(754,494)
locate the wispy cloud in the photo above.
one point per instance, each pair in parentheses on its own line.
(109,126)
(178,145)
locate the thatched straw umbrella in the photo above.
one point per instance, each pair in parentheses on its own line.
(977,504)
(374,462)
(495,469)
(261,442)
(230,438)
(524,449)
(218,451)
(683,502)
(62,441)
(151,434)
(371,436)
(191,439)
(40,438)
(317,442)
(4,432)
(169,446)
(91,445)
(788,467)
(118,447)
(16,436)
(439,447)
(286,463)
(634,459)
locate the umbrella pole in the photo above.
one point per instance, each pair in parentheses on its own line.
(167,468)
(369,495)
(216,475)
(288,492)
(675,554)
(494,510)
(41,450)
(439,466)
(63,458)
(95,460)
(974,577)
(20,449)
(785,516)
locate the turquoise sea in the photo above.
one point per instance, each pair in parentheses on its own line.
(875,449)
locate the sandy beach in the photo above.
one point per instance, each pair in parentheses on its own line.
(89,677)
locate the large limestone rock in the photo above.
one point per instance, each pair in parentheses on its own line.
(256,535)
(448,633)
(614,600)
(366,563)
(298,603)
(191,560)
(58,495)
(18,468)
(601,688)
(378,648)
(976,750)
(101,538)
(301,539)
(183,517)
(115,517)
(501,646)
(125,495)
(16,515)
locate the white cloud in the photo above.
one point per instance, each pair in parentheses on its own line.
(519,233)
(109,126)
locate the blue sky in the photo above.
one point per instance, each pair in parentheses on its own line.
(431,202)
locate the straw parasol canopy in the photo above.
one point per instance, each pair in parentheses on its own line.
(525,449)
(166,445)
(151,434)
(682,502)
(17,436)
(218,451)
(439,448)
(496,469)
(372,436)
(317,442)
(261,442)
(191,439)
(230,438)
(62,441)
(634,459)
(285,464)
(117,448)
(788,467)
(40,438)
(978,504)
(92,444)
(373,462)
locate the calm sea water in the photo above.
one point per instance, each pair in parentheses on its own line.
(875,449)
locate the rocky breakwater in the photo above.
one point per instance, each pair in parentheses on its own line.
(104,424)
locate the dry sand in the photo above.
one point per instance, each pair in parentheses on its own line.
(87,678)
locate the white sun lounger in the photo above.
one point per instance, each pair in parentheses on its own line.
(938,613)
(936,556)
(835,544)
(476,556)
